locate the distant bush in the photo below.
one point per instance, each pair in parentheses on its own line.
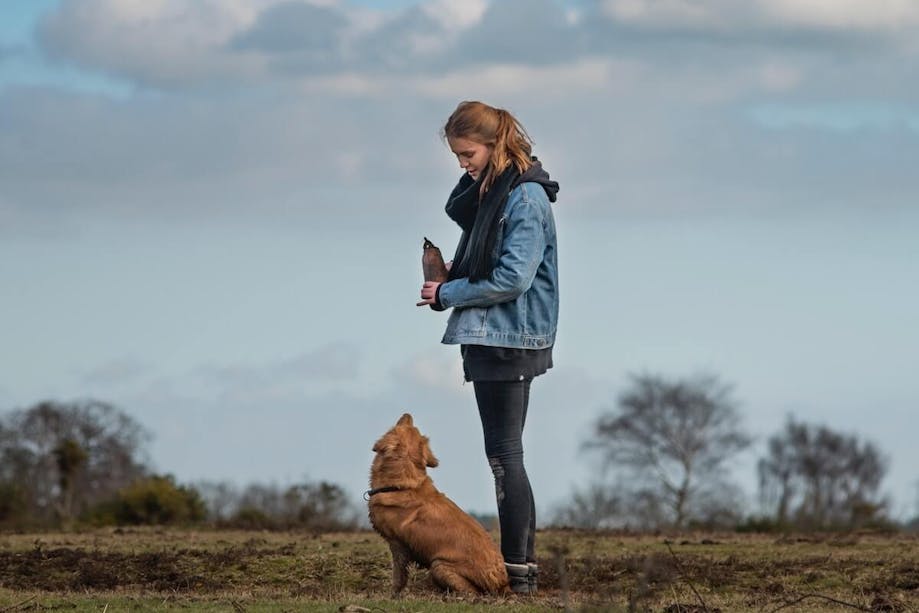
(762,525)
(14,503)
(249,518)
(157,500)
(320,507)
(771,525)
(60,460)
(489,521)
(68,462)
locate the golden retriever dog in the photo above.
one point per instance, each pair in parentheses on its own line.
(421,524)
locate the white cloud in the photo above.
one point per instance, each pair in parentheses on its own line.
(329,364)
(434,371)
(441,47)
(162,41)
(686,112)
(488,81)
(729,15)
(779,76)
(175,44)
(455,15)
(843,14)
(275,130)
(668,13)
(497,79)
(118,371)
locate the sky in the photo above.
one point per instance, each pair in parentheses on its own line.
(211,216)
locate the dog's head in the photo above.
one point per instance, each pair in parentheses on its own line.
(405,447)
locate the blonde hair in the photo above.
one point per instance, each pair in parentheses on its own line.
(496,128)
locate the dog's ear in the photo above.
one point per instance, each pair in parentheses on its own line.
(427,455)
(385,444)
(405,420)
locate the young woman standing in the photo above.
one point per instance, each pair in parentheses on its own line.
(503,289)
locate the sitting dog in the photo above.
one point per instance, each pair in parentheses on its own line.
(422,525)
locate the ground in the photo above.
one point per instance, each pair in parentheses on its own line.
(120,569)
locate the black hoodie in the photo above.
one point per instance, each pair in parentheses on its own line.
(479,220)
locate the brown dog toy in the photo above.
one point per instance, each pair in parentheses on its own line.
(432,263)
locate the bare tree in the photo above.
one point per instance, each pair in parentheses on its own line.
(69,456)
(595,506)
(674,438)
(913,524)
(320,506)
(818,478)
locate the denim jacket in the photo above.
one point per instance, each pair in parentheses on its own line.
(518,305)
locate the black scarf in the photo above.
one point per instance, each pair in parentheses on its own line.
(479,221)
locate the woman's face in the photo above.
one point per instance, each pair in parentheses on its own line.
(473,156)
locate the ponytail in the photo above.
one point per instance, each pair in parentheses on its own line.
(496,128)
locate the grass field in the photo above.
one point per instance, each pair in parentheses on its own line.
(148,569)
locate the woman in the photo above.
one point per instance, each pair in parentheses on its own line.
(503,289)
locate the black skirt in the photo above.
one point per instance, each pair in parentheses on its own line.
(484,363)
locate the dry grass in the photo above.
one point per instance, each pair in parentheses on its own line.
(152,569)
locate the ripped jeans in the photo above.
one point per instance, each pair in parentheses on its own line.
(503,410)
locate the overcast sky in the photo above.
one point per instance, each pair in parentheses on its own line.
(211,215)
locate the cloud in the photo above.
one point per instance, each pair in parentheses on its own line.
(838,117)
(120,371)
(9,51)
(407,42)
(166,44)
(434,371)
(489,81)
(287,425)
(197,157)
(298,37)
(269,110)
(291,27)
(527,32)
(199,432)
(882,16)
(327,367)
(172,45)
(455,15)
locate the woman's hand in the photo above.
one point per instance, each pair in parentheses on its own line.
(428,293)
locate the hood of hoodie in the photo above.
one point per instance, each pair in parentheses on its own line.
(479,219)
(537,174)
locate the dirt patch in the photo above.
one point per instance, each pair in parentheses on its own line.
(66,569)
(589,569)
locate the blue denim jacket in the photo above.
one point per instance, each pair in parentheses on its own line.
(518,305)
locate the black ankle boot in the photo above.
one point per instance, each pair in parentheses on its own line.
(518,577)
(532,575)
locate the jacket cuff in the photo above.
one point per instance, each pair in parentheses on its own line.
(437,306)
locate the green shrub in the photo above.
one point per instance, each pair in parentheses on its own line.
(14,502)
(759,524)
(158,500)
(250,518)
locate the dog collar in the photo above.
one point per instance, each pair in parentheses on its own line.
(381,490)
